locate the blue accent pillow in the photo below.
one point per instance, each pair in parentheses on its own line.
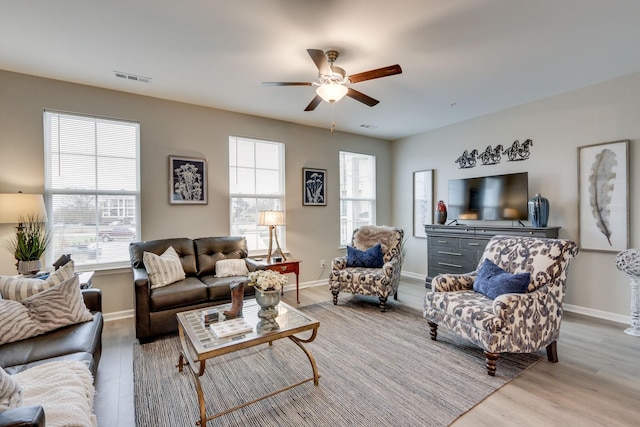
(493,281)
(371,258)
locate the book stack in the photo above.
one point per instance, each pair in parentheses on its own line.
(230,327)
(209,316)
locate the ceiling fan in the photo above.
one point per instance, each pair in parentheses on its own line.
(332,84)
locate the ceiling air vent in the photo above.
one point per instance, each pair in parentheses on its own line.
(132,77)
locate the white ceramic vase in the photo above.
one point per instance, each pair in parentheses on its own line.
(29,267)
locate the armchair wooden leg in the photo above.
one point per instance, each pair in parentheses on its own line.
(383,304)
(335,297)
(434,329)
(552,352)
(492,358)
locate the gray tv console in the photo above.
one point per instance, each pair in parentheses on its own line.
(458,248)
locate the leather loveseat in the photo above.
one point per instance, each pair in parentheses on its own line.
(155,309)
(80,342)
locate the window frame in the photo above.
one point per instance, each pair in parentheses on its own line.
(279,198)
(346,232)
(117,195)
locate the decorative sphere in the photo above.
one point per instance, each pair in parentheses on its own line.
(629,262)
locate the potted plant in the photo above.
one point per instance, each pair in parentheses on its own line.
(30,243)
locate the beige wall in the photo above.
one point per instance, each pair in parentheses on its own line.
(605,112)
(181,129)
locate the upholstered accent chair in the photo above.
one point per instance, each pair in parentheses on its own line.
(512,322)
(379,281)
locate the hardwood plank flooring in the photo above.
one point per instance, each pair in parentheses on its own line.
(595,383)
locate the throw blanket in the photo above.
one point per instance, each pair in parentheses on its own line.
(64,389)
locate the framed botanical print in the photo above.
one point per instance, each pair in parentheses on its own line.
(314,187)
(422,201)
(187,180)
(603,196)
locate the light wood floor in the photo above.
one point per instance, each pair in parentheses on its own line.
(596,382)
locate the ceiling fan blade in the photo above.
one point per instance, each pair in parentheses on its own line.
(287,84)
(320,59)
(375,74)
(359,96)
(313,104)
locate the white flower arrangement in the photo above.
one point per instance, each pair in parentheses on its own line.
(267,280)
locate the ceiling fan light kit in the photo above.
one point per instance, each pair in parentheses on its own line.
(332,81)
(332,92)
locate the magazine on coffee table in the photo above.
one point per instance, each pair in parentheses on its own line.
(230,327)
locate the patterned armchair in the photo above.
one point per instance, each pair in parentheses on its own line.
(380,282)
(512,322)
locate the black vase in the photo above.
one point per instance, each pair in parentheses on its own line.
(538,211)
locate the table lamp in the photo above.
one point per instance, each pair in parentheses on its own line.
(19,208)
(272,219)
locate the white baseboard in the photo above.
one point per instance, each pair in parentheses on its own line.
(118,315)
(614,317)
(412,275)
(125,314)
(599,314)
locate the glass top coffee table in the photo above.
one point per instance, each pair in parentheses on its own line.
(199,343)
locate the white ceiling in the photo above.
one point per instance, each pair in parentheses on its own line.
(460,58)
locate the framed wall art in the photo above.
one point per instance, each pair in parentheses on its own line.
(603,196)
(422,201)
(314,187)
(187,180)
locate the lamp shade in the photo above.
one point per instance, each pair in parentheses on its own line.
(332,92)
(16,207)
(271,218)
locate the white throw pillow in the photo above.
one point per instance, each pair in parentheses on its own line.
(163,269)
(10,391)
(231,268)
(19,288)
(50,309)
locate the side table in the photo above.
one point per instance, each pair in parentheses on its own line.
(285,267)
(85,279)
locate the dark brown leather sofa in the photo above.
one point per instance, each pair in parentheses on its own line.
(82,341)
(155,309)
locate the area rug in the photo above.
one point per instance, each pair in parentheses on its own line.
(376,368)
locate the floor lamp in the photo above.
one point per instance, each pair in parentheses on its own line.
(272,219)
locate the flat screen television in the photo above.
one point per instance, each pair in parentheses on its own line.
(489,198)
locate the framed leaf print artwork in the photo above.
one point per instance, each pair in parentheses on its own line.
(187,181)
(603,196)
(314,187)
(422,201)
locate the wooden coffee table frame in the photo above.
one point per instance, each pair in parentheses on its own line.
(196,355)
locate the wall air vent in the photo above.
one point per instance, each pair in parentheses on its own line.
(132,77)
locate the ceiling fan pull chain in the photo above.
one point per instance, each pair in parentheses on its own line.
(333,119)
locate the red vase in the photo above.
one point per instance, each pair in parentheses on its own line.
(441,212)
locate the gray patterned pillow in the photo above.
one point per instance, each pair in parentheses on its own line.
(19,288)
(10,392)
(53,308)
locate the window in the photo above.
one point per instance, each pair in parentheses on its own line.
(92,188)
(256,183)
(357,193)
